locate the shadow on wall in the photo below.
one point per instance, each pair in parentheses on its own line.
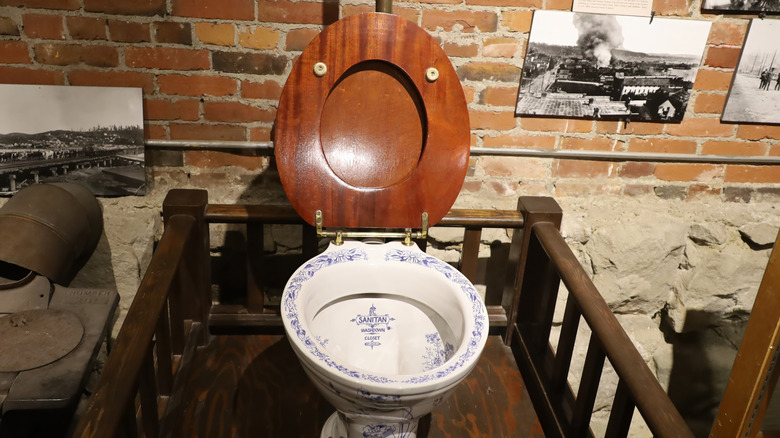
(702,362)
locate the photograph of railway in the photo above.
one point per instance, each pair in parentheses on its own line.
(610,66)
(754,96)
(90,135)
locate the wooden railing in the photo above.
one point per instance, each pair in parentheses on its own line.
(172,312)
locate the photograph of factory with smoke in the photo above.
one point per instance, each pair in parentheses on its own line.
(610,66)
(754,96)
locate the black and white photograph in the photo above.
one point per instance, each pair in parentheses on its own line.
(754,96)
(743,6)
(90,135)
(597,66)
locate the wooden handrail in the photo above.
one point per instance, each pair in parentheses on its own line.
(656,408)
(111,398)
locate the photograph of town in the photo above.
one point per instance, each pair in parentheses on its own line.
(595,66)
(742,5)
(754,96)
(90,135)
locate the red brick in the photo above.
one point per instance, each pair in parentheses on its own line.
(197,85)
(14,52)
(173,33)
(167,58)
(472,186)
(727,33)
(298,39)
(670,7)
(43,4)
(722,57)
(564,5)
(48,27)
(215,159)
(456,50)
(257,37)
(260,133)
(489,71)
(499,96)
(113,78)
(236,112)
(183,109)
(410,14)
(700,127)
(255,63)
(701,191)
(714,147)
(590,144)
(712,80)
(636,128)
(752,174)
(518,21)
(637,189)
(86,28)
(662,145)
(469,93)
(261,90)
(636,169)
(502,188)
(555,125)
(155,132)
(774,150)
(224,9)
(282,11)
(517,167)
(580,169)
(525,141)
(220,34)
(20,75)
(467,21)
(124,7)
(74,54)
(503,120)
(198,131)
(758,132)
(709,103)
(509,3)
(687,171)
(129,31)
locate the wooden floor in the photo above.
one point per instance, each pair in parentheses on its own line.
(253,386)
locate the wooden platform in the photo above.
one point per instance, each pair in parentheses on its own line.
(241,386)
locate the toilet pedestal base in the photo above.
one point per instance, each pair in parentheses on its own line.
(336,427)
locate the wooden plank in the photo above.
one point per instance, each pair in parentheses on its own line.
(255,386)
(470,253)
(588,390)
(621,413)
(755,373)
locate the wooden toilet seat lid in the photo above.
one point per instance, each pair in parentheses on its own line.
(367,132)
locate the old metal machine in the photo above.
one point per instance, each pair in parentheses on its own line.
(49,333)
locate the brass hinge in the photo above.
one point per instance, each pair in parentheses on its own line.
(339,235)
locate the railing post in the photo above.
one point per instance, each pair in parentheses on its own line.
(195,269)
(521,301)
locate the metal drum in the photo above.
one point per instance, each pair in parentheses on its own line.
(50,229)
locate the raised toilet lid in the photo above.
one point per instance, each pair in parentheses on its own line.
(362,133)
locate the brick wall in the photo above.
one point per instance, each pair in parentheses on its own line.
(214,69)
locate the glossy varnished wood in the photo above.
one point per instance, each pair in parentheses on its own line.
(372,142)
(242,386)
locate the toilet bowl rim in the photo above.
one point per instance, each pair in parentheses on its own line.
(475,327)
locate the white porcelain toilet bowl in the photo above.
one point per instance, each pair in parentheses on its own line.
(385,332)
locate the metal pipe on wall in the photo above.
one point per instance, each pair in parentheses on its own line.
(384,6)
(266,147)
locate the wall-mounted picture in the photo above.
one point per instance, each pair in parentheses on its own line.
(598,66)
(741,5)
(90,135)
(754,96)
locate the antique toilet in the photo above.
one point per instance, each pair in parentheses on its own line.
(372,141)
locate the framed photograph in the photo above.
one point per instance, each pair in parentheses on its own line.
(90,135)
(754,96)
(598,66)
(741,5)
